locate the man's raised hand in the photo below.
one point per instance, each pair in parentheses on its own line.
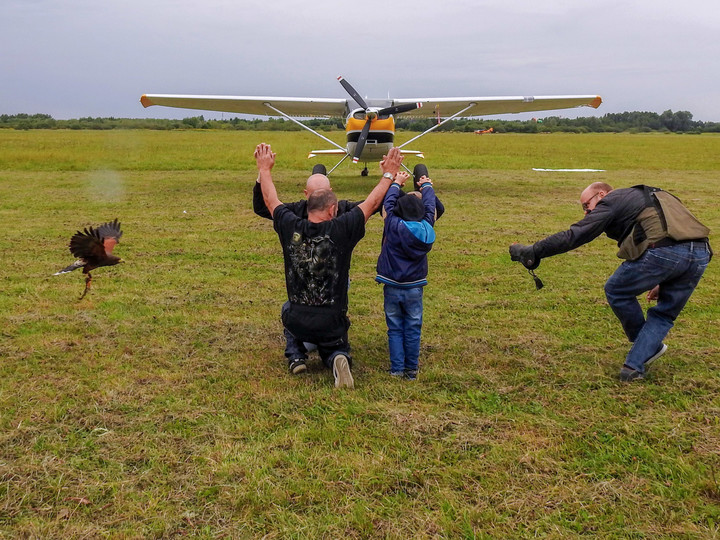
(264,157)
(391,162)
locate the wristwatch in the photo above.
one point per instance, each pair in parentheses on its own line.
(389,176)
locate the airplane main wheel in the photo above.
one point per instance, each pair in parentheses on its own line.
(364,172)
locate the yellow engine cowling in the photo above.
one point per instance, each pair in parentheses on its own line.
(379,141)
(379,124)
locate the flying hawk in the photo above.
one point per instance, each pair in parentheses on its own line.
(93,248)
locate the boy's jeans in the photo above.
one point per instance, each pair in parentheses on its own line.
(403,314)
(678,270)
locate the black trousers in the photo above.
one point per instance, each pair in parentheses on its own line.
(326,327)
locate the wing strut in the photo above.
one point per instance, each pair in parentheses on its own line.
(304,126)
(436,125)
(338,164)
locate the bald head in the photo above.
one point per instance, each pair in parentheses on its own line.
(596,187)
(316,182)
(593,194)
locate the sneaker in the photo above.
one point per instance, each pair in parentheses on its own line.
(296,366)
(419,170)
(341,371)
(397,374)
(663,348)
(319,169)
(628,374)
(411,374)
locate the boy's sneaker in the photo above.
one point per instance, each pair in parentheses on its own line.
(628,374)
(296,365)
(419,170)
(663,348)
(397,374)
(341,371)
(411,374)
(319,168)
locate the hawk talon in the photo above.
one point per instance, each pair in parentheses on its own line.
(88,280)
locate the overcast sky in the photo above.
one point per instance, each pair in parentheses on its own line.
(77,58)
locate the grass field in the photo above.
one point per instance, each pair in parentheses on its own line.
(160,406)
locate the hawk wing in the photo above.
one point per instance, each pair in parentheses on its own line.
(86,245)
(110,234)
(94,245)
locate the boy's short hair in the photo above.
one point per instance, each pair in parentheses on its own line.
(410,208)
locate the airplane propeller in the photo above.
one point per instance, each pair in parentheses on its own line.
(371,114)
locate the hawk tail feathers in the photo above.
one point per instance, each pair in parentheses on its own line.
(73,266)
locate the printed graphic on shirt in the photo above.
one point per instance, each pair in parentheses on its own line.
(312,272)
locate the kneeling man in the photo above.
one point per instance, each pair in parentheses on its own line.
(317,253)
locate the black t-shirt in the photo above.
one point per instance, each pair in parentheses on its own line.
(298,208)
(317,256)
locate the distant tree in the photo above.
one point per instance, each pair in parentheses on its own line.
(630,122)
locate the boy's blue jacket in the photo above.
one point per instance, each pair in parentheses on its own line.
(405,245)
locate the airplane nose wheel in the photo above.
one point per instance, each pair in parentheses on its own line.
(364,172)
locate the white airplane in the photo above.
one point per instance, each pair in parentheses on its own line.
(369,126)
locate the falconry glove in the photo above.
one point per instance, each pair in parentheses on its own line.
(525,255)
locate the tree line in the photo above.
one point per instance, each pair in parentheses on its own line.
(632,122)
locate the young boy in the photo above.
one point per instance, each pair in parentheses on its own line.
(402,267)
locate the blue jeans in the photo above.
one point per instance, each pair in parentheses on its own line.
(677,269)
(403,314)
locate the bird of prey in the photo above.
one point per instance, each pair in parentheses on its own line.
(93,248)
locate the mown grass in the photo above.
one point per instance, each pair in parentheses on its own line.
(160,405)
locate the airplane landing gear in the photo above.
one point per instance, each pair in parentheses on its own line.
(364,172)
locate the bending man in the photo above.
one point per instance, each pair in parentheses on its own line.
(666,251)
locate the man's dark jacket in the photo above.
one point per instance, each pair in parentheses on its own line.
(614,215)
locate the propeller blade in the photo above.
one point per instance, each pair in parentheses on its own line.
(399,109)
(353,93)
(361,141)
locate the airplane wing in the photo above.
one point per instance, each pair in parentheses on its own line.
(330,107)
(292,106)
(484,106)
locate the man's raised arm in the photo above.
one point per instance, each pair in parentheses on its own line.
(265,159)
(390,165)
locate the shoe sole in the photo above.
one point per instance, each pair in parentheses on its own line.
(341,371)
(657,355)
(298,369)
(419,170)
